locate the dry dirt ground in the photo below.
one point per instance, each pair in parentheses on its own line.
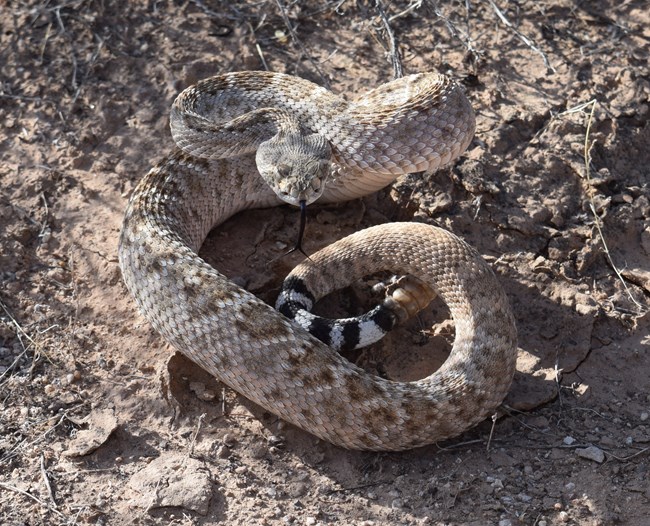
(102,423)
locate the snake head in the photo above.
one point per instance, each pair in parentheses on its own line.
(295,166)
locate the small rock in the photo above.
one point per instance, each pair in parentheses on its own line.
(397,504)
(229,440)
(568,440)
(591,453)
(101,423)
(644,416)
(497,484)
(298,490)
(259,451)
(198,388)
(176,480)
(505,522)
(608,441)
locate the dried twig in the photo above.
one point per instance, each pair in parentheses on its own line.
(393,46)
(298,43)
(261,55)
(489,442)
(196,434)
(521,36)
(629,457)
(33,497)
(411,7)
(73,57)
(20,333)
(46,481)
(24,444)
(587,161)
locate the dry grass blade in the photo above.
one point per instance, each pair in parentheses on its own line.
(588,144)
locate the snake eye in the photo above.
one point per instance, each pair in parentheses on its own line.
(284,170)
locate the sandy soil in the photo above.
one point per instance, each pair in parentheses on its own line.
(102,423)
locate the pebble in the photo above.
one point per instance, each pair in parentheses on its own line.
(298,490)
(644,416)
(591,453)
(73,377)
(496,484)
(259,451)
(568,440)
(229,440)
(524,498)
(505,522)
(608,441)
(201,392)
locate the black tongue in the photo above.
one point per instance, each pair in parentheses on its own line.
(301,229)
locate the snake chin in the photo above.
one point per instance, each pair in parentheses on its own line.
(295,166)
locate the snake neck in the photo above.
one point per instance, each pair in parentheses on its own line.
(169,203)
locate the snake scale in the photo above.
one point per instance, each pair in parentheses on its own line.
(256,139)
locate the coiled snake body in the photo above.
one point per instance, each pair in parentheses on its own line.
(256,139)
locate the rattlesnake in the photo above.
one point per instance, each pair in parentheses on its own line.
(416,123)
